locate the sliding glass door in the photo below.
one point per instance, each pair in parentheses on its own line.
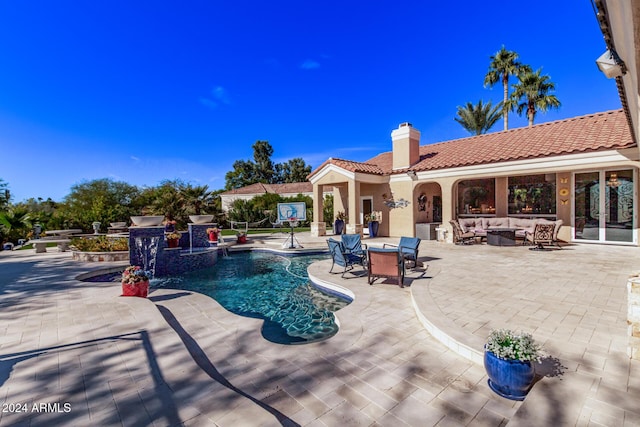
(604,206)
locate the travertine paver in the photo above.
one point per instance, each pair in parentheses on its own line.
(178,358)
(572,300)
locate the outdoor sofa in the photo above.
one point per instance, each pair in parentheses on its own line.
(479,226)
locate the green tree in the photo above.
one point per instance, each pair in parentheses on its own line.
(243,210)
(478,119)
(15,224)
(327,210)
(102,200)
(294,170)
(262,169)
(4,195)
(42,211)
(532,94)
(168,199)
(241,175)
(504,64)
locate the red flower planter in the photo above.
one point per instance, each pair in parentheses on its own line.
(213,237)
(242,239)
(140,289)
(173,243)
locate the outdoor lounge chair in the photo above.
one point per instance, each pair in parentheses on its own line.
(408,247)
(341,257)
(460,237)
(542,234)
(387,263)
(353,245)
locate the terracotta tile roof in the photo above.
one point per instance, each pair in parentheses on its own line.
(594,132)
(351,166)
(260,188)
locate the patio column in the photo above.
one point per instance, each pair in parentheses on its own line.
(318,226)
(448,204)
(354,208)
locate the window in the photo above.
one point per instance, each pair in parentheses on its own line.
(532,194)
(477,196)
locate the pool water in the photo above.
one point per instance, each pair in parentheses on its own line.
(271,287)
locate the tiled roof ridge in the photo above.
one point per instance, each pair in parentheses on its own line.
(352,161)
(525,128)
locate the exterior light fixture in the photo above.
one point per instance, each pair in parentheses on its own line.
(611,64)
(412,175)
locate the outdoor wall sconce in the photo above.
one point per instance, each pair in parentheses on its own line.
(611,64)
(422,199)
(412,175)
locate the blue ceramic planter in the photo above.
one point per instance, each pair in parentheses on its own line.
(373,228)
(511,379)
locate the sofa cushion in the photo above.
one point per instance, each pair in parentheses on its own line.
(470,224)
(502,222)
(523,223)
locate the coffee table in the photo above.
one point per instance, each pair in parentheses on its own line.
(501,236)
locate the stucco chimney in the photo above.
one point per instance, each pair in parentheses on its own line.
(406,146)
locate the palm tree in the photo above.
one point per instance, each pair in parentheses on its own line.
(478,119)
(504,64)
(197,197)
(15,223)
(532,94)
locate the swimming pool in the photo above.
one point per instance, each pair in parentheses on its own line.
(271,287)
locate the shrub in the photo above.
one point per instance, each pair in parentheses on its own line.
(100,244)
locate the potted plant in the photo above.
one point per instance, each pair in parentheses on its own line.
(135,282)
(507,360)
(374,223)
(169,226)
(173,239)
(338,225)
(213,233)
(242,237)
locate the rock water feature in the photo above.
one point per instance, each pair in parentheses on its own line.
(148,249)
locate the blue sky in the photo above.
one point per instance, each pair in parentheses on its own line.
(145,91)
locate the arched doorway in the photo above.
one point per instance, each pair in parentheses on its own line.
(427,209)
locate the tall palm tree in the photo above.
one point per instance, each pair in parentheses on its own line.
(532,94)
(478,119)
(504,64)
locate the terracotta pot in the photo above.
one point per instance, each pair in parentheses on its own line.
(173,243)
(242,239)
(213,236)
(140,289)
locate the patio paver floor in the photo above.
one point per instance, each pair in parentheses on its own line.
(179,358)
